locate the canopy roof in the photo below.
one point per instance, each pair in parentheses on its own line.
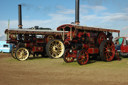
(86,28)
(30,31)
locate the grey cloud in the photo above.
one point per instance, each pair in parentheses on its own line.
(94,2)
(2,37)
(38,8)
(83,9)
(116,17)
(95,9)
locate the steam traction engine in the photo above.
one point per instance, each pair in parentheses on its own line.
(82,41)
(35,42)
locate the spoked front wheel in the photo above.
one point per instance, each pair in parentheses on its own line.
(69,56)
(22,54)
(82,57)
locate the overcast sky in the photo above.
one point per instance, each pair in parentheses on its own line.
(112,14)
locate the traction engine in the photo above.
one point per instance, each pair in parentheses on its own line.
(34,41)
(82,42)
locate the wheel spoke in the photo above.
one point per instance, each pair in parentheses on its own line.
(82,58)
(68,56)
(22,54)
(56,49)
(109,50)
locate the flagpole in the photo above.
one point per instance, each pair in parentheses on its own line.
(8,29)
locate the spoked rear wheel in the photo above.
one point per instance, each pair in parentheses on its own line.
(102,36)
(22,54)
(82,57)
(107,50)
(55,48)
(69,56)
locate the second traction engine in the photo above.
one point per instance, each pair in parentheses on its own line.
(81,42)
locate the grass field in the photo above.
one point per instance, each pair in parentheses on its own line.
(45,71)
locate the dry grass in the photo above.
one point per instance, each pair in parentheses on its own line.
(45,71)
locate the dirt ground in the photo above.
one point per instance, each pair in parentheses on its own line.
(45,71)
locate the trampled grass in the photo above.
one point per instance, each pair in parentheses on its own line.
(57,72)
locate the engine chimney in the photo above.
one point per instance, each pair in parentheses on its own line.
(20,16)
(77,12)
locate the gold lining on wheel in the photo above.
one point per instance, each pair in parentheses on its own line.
(22,54)
(56,49)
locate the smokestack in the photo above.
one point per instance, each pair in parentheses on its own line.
(77,12)
(20,16)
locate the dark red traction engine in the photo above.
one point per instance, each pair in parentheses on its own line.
(35,42)
(81,42)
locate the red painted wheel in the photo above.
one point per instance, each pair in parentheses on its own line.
(102,36)
(69,56)
(107,50)
(83,57)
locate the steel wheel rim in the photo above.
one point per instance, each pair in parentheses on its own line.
(101,37)
(56,49)
(109,51)
(22,54)
(50,37)
(83,58)
(13,52)
(68,56)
